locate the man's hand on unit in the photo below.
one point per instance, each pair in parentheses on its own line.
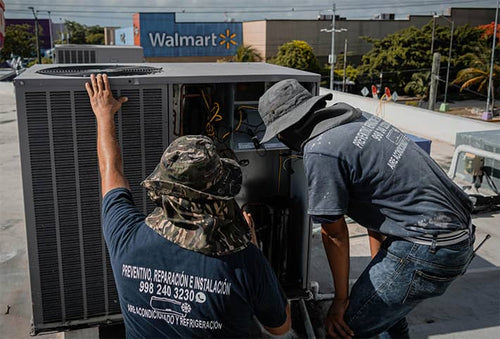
(101,99)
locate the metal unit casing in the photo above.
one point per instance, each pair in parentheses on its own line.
(95,54)
(484,140)
(71,278)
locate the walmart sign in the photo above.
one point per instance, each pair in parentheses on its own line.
(161,36)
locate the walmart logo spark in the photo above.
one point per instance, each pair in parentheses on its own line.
(227,39)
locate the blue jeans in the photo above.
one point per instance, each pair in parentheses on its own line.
(401,276)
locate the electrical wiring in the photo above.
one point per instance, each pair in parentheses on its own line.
(214,114)
(215,117)
(252,130)
(289,158)
(247,107)
(240,121)
(203,95)
(255,127)
(303,10)
(282,165)
(243,9)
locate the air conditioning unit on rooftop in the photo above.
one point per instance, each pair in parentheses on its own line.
(71,278)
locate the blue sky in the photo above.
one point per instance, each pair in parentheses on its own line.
(119,12)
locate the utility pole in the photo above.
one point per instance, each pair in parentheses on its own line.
(345,65)
(490,83)
(333,31)
(444,107)
(50,35)
(51,38)
(39,57)
(434,83)
(332,69)
(434,15)
(449,60)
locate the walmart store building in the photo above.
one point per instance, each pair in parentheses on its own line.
(165,40)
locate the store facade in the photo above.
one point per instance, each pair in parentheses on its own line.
(164,39)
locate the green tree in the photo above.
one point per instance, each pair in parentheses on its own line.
(297,54)
(94,35)
(247,54)
(77,32)
(95,39)
(401,54)
(83,34)
(20,41)
(351,73)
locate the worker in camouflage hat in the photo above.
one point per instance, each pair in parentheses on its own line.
(194,190)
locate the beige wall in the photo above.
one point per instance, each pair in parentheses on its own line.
(109,35)
(281,31)
(471,16)
(278,32)
(254,34)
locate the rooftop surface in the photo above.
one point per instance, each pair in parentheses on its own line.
(469,309)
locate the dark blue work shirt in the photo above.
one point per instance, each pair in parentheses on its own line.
(167,291)
(374,173)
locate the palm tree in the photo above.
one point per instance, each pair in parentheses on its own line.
(247,54)
(477,75)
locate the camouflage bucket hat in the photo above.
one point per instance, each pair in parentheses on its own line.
(194,190)
(191,167)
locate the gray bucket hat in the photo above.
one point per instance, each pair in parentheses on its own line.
(285,104)
(194,190)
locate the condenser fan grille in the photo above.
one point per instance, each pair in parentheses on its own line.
(86,71)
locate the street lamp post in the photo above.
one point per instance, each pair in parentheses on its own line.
(50,35)
(51,38)
(444,106)
(449,59)
(333,31)
(332,69)
(345,65)
(490,81)
(39,57)
(434,16)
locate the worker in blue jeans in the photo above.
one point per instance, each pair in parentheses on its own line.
(418,220)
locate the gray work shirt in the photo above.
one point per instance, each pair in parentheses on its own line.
(372,172)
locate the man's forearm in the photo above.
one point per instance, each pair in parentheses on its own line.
(109,154)
(336,242)
(104,107)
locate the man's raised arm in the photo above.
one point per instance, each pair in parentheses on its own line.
(108,150)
